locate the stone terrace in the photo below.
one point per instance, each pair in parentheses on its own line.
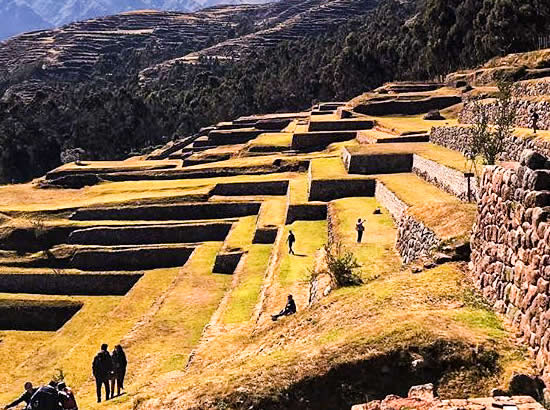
(124,243)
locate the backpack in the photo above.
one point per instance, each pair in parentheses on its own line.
(45,398)
(67,399)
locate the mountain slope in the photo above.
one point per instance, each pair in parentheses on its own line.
(17,17)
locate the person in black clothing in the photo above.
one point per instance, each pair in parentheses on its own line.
(102,368)
(360,228)
(25,397)
(289,309)
(119,368)
(291,239)
(534,120)
(46,398)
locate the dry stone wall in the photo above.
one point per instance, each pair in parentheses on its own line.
(459,137)
(445,178)
(414,240)
(523,119)
(511,248)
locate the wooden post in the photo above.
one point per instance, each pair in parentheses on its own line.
(469,175)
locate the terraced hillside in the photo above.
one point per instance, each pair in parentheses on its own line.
(181,257)
(306,18)
(75,51)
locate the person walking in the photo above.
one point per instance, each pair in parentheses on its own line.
(66,397)
(25,397)
(102,368)
(360,228)
(291,239)
(119,368)
(534,120)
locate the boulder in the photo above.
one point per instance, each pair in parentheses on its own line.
(532,159)
(434,115)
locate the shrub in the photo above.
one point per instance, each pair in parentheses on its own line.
(342,265)
(488,142)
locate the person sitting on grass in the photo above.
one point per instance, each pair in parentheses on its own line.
(289,309)
(25,397)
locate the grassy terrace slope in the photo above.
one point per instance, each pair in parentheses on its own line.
(196,339)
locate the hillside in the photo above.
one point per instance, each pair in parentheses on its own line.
(275,57)
(180,255)
(39,14)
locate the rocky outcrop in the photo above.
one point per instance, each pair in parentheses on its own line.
(511,248)
(422,398)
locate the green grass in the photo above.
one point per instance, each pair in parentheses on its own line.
(327,168)
(273,139)
(242,233)
(245,295)
(310,236)
(298,190)
(376,253)
(273,212)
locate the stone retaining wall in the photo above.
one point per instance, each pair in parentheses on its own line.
(445,178)
(178,212)
(306,212)
(523,119)
(311,140)
(511,249)
(69,284)
(329,189)
(35,315)
(131,259)
(390,201)
(150,234)
(251,188)
(414,240)
(459,137)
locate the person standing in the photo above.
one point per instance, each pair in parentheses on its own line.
(119,368)
(360,228)
(534,120)
(102,367)
(291,239)
(25,397)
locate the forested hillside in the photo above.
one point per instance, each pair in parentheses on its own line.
(111,116)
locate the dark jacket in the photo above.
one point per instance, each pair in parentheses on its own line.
(102,365)
(46,398)
(290,306)
(119,360)
(25,397)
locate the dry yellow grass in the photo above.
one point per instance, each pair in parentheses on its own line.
(409,124)
(445,214)
(444,156)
